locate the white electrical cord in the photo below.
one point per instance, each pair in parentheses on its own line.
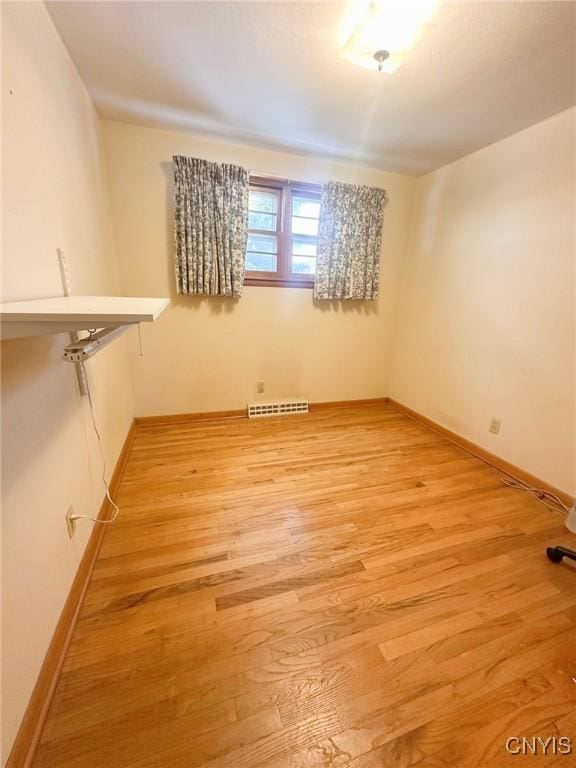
(97,431)
(547,498)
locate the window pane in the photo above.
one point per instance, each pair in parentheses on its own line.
(303,265)
(304,226)
(304,206)
(263,201)
(262,243)
(260,262)
(262,221)
(303,246)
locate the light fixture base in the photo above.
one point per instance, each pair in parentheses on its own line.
(380,57)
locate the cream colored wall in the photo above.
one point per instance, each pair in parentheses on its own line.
(486,320)
(208,354)
(54,196)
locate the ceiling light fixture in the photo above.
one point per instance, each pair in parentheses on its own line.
(380,57)
(379,34)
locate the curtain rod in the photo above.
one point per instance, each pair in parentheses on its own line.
(290,182)
(304,184)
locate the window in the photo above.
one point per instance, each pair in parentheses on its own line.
(282,232)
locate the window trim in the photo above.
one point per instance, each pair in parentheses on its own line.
(284,188)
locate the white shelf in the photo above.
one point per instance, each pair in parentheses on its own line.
(37,317)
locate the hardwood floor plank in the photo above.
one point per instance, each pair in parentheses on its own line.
(289,585)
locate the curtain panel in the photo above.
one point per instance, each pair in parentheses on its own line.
(210,226)
(349,237)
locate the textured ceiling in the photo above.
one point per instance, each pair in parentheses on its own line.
(268,73)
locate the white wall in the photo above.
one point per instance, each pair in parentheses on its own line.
(486,322)
(208,354)
(54,196)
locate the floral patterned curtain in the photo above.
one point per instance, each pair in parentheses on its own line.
(210,226)
(349,235)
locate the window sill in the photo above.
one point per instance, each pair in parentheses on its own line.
(278,283)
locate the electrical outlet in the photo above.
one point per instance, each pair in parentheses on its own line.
(259,387)
(495,425)
(70,522)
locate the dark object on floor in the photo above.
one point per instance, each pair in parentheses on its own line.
(555,554)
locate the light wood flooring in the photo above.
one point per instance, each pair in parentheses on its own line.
(344,588)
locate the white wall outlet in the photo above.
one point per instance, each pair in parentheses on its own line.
(259,387)
(495,425)
(70,522)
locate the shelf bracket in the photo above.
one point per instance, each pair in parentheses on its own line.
(80,350)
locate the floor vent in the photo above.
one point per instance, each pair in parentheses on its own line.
(279,408)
